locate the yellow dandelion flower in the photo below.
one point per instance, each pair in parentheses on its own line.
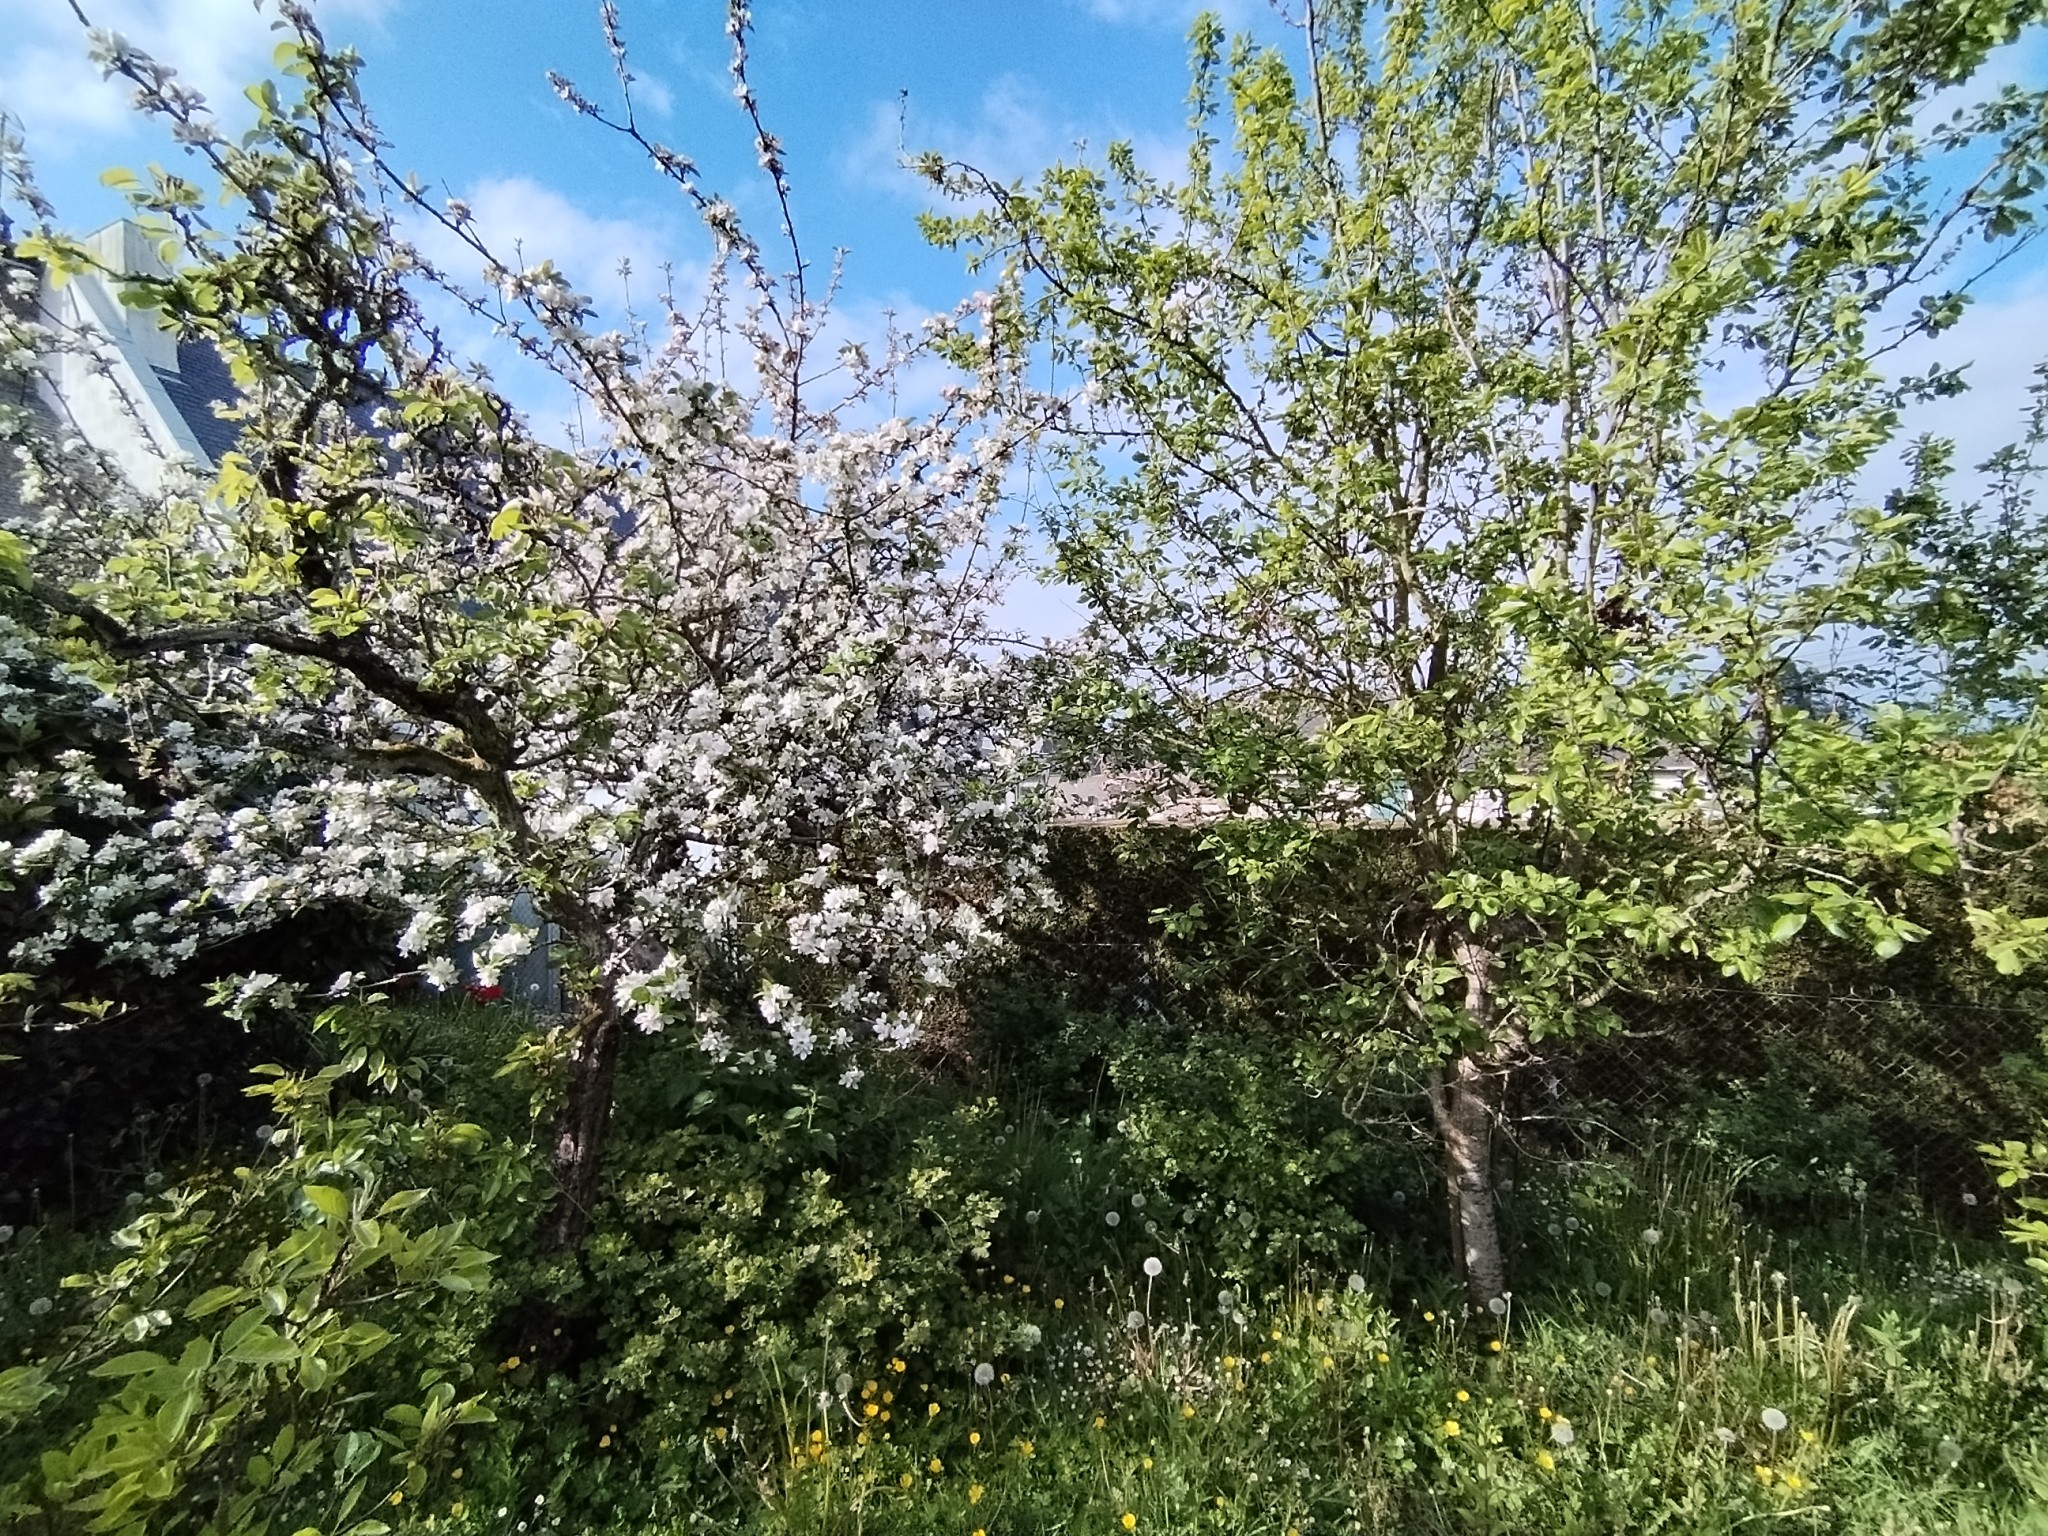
(817,1435)
(1546,1461)
(861,1438)
(1494,1345)
(1464,1396)
(1265,1357)
(1328,1362)
(931,1410)
(1276,1335)
(398,1496)
(1763,1473)
(869,1410)
(1429,1317)
(511,1363)
(1009,1279)
(974,1437)
(974,1493)
(935,1466)
(1146,1463)
(1808,1436)
(457,1509)
(905,1480)
(604,1442)
(720,1431)
(1543,1411)
(1187,1410)
(1221,1501)
(1451,1429)
(1129,1521)
(1100,1421)
(869,1389)
(888,1397)
(456,1474)
(1382,1357)
(1026,1449)
(898,1366)
(1230,1362)
(885,1415)
(1792,1481)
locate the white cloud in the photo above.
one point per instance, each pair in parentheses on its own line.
(2001,341)
(525,223)
(217,47)
(1012,134)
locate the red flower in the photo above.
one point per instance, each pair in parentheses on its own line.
(485,994)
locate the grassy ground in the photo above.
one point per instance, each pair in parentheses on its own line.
(1181,1305)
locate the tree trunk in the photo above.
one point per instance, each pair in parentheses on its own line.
(580,1132)
(1466,1102)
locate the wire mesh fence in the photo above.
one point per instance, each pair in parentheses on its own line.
(1823,1093)
(1831,1088)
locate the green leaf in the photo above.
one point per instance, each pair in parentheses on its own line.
(133,1363)
(261,1345)
(211,1301)
(23,1389)
(327,1200)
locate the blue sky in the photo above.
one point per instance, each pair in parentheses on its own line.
(459,86)
(1011,85)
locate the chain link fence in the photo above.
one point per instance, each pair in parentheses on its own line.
(1825,1091)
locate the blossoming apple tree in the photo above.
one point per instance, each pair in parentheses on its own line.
(712,683)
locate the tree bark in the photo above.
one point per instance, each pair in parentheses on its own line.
(1467,1101)
(580,1131)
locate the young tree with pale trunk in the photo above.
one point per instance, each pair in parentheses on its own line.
(1468,448)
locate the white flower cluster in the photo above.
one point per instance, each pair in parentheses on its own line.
(717,690)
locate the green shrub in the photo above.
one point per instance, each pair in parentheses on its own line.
(284,1343)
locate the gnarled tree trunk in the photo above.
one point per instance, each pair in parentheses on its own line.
(580,1130)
